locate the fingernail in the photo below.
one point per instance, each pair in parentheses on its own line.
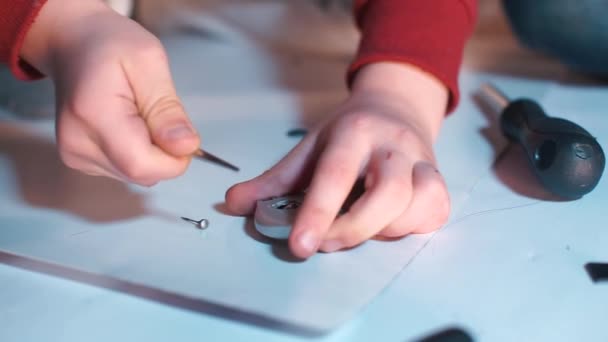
(308,241)
(332,246)
(181,131)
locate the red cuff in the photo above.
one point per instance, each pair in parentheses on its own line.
(16,17)
(429,34)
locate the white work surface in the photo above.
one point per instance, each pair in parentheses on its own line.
(508,265)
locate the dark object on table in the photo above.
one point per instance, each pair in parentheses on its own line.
(566,159)
(296,132)
(598,272)
(449,335)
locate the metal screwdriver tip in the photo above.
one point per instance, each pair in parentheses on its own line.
(215,159)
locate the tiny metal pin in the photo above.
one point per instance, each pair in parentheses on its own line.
(214,159)
(200,224)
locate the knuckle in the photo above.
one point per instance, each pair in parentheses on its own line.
(277,179)
(139,169)
(148,183)
(336,170)
(317,214)
(315,218)
(137,172)
(69,159)
(427,227)
(357,123)
(69,144)
(354,237)
(442,199)
(280,181)
(443,212)
(152,49)
(166,104)
(395,230)
(267,177)
(355,234)
(432,185)
(78,109)
(267,174)
(436,221)
(179,169)
(399,188)
(405,136)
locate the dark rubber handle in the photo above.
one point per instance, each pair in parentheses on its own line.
(567,160)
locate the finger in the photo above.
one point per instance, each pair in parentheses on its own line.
(385,201)
(157,102)
(126,142)
(93,164)
(78,151)
(430,206)
(116,126)
(112,99)
(337,170)
(124,139)
(283,178)
(96,170)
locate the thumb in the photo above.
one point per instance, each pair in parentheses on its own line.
(169,126)
(158,104)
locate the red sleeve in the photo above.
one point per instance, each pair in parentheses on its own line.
(430,34)
(16,17)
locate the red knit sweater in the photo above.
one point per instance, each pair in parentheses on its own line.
(427,33)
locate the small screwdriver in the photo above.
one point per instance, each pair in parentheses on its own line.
(200,153)
(565,158)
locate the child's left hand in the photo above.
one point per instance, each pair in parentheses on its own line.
(384,133)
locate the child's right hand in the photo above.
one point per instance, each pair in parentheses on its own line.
(118,114)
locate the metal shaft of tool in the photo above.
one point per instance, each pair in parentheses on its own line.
(214,159)
(493,98)
(189,220)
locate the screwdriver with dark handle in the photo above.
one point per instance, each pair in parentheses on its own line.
(567,160)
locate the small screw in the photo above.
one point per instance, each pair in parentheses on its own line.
(200,224)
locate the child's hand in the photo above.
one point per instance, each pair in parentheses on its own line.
(384,132)
(117,111)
